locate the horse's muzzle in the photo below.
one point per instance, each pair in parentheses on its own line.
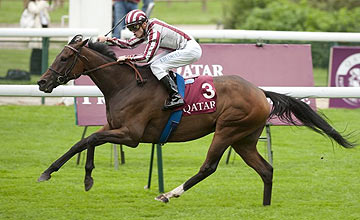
(42,86)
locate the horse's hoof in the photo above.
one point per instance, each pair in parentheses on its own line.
(89,182)
(44,177)
(162,198)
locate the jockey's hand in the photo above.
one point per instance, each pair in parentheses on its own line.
(122,58)
(102,39)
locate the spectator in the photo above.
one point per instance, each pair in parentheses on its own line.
(147,7)
(35,15)
(38,11)
(121,8)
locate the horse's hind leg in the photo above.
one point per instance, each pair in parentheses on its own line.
(247,150)
(216,150)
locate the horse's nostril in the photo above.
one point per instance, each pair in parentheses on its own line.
(41,82)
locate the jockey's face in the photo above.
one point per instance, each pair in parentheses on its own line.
(141,31)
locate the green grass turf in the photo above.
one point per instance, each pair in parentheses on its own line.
(312,178)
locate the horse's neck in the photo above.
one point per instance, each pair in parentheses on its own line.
(110,79)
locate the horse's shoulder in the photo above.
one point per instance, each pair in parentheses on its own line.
(145,67)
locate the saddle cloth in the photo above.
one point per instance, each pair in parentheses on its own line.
(200,97)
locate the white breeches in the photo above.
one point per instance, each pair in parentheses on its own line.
(163,62)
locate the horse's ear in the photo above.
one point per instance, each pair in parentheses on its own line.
(76,39)
(84,42)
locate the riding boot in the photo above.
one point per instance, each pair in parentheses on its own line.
(174,100)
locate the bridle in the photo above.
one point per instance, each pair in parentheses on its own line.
(64,78)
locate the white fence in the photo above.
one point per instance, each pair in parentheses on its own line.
(93,91)
(277,35)
(88,91)
(210,34)
(46,32)
(270,35)
(200,34)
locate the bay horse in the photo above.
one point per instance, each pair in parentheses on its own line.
(134,114)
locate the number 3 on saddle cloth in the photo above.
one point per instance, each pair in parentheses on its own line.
(200,97)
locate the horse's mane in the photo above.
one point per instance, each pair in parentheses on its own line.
(102,48)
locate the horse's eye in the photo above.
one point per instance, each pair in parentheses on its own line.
(63,59)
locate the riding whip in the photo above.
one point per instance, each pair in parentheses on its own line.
(117,24)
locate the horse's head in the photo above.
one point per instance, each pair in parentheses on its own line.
(68,65)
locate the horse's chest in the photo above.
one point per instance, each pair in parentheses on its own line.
(113,119)
(117,116)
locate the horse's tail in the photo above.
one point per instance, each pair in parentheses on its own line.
(285,107)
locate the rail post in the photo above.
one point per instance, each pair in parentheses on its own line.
(44,59)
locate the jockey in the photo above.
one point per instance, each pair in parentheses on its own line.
(180,49)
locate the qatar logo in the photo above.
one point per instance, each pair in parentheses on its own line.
(348,75)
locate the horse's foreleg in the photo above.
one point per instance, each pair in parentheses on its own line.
(89,166)
(78,147)
(118,136)
(213,157)
(88,181)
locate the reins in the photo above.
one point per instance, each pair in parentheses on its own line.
(139,80)
(99,67)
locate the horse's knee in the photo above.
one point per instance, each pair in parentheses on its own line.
(89,166)
(94,140)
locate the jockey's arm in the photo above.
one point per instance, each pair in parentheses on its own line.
(126,44)
(150,50)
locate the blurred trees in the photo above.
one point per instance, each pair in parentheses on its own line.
(331,5)
(295,15)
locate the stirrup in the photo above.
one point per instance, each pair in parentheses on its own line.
(171,104)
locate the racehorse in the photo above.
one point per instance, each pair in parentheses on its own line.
(134,114)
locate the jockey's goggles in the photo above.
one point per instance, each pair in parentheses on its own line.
(134,27)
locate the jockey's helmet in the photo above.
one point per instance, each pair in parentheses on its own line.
(135,17)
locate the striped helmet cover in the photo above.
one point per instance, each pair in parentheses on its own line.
(134,17)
